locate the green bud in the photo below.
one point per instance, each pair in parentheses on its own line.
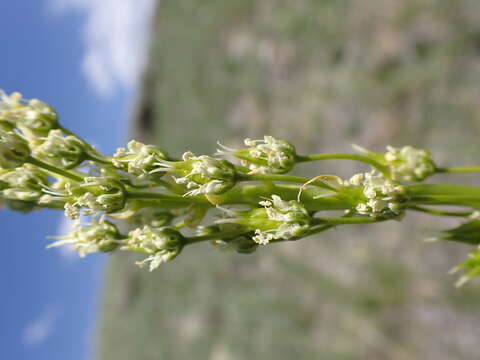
(155,219)
(205,174)
(278,220)
(139,159)
(265,156)
(21,206)
(98,194)
(34,117)
(14,151)
(467,233)
(380,197)
(405,164)
(24,183)
(161,244)
(245,245)
(63,151)
(99,236)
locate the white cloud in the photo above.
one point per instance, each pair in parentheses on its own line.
(115,35)
(41,328)
(66,252)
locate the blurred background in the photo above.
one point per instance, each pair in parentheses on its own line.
(320,73)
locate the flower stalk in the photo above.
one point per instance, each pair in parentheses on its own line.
(244,205)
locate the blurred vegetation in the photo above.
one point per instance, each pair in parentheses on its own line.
(322,74)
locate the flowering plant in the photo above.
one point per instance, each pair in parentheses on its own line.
(170,203)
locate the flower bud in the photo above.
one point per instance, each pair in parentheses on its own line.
(32,116)
(405,164)
(140,159)
(24,183)
(64,151)
(467,233)
(205,174)
(265,156)
(99,236)
(380,197)
(97,194)
(278,220)
(14,151)
(162,244)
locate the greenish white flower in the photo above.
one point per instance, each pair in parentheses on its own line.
(381,197)
(32,116)
(26,183)
(14,151)
(204,174)
(410,164)
(265,156)
(64,151)
(140,159)
(405,164)
(95,195)
(278,219)
(98,236)
(160,244)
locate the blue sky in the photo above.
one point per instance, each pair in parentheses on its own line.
(75,56)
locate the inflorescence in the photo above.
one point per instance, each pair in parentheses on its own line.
(143,200)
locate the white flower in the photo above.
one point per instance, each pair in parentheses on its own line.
(98,236)
(140,159)
(291,217)
(410,164)
(264,156)
(382,195)
(205,174)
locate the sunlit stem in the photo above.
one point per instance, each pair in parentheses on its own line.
(344,156)
(54,169)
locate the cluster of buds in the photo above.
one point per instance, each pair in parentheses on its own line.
(160,244)
(277,219)
(381,197)
(33,117)
(139,159)
(95,195)
(406,163)
(65,151)
(161,200)
(267,156)
(98,236)
(204,174)
(25,183)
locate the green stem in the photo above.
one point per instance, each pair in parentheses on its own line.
(98,158)
(217,236)
(332,156)
(314,199)
(138,195)
(347,220)
(54,169)
(459,200)
(284,178)
(442,190)
(441,212)
(93,154)
(458,169)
